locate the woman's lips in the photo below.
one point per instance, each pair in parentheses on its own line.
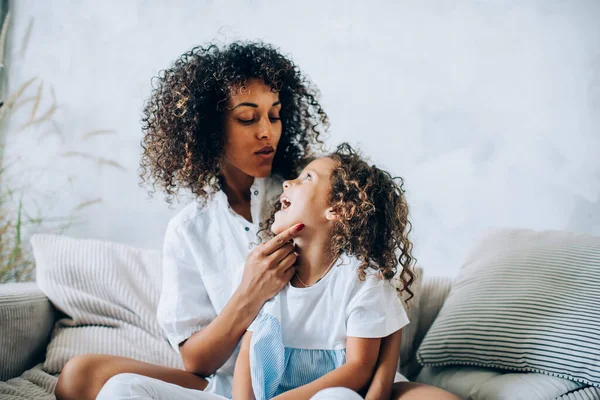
(266,153)
(266,156)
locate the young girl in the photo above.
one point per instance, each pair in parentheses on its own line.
(324,329)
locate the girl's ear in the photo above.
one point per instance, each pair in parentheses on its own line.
(331,215)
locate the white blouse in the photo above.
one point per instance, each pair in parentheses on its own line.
(204,252)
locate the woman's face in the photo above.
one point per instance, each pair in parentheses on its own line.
(306,198)
(252,129)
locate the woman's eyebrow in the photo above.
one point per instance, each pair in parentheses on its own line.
(253,105)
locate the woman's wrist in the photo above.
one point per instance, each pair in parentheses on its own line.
(247,302)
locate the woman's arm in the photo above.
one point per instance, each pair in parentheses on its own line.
(387,365)
(268,268)
(242,381)
(207,350)
(355,374)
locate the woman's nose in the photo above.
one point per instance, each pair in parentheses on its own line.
(265,130)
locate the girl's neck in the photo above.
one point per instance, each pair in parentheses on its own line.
(314,259)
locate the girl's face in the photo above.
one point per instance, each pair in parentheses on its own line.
(252,129)
(306,198)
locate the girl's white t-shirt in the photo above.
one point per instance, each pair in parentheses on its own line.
(301,333)
(324,315)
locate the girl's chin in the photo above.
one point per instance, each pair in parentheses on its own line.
(276,230)
(279,225)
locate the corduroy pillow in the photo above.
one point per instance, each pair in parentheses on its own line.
(109,294)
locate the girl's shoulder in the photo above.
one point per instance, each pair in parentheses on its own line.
(350,275)
(351,265)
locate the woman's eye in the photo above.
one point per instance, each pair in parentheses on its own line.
(273,119)
(308,176)
(246,121)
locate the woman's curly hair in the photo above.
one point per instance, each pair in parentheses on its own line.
(373,224)
(183,119)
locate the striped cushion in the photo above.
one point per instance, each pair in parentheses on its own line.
(524,301)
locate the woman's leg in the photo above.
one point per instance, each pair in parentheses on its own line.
(415,391)
(138,387)
(83,376)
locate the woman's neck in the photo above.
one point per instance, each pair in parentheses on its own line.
(236,186)
(314,258)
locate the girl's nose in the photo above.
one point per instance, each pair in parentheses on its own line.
(286,185)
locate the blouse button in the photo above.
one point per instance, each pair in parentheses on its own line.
(260,224)
(256,192)
(247,229)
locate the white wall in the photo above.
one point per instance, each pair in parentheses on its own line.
(489,109)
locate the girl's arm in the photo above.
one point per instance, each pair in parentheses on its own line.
(385,371)
(269,267)
(242,382)
(355,374)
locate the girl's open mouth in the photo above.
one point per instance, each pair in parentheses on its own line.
(285,203)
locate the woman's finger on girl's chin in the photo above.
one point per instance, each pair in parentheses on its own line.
(283,238)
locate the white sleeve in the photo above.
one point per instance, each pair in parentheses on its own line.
(375,311)
(184,306)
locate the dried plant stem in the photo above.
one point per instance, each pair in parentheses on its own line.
(3,34)
(88,135)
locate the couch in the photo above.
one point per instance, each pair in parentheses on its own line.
(100,297)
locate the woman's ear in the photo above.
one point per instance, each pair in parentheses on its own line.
(331,215)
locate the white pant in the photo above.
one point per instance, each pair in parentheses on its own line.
(139,387)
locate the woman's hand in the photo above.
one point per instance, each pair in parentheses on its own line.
(269,267)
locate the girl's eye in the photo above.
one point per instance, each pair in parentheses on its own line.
(246,121)
(308,176)
(273,119)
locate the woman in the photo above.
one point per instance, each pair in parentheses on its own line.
(227,124)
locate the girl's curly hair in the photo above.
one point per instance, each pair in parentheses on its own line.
(373,224)
(182,120)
